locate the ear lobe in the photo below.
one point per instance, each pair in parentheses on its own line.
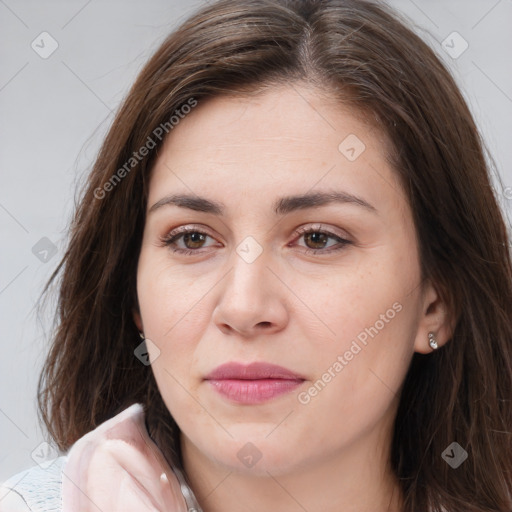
(137,319)
(434,318)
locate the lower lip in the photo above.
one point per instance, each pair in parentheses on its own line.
(254,391)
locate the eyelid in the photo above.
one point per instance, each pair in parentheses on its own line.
(188,228)
(318,226)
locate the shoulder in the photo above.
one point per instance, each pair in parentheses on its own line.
(35,489)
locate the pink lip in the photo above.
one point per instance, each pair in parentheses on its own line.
(253,383)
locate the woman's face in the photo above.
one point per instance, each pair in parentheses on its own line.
(302,254)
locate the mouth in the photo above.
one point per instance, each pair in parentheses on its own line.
(254,383)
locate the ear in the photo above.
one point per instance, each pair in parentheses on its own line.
(137,319)
(434,317)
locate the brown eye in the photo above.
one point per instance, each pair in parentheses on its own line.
(318,240)
(191,240)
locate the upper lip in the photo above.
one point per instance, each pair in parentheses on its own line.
(253,371)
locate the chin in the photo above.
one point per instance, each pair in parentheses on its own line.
(254,454)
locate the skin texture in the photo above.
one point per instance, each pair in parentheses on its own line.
(289,307)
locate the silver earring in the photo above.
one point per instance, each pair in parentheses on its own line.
(432,340)
(141,334)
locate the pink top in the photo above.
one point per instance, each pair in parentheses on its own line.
(118,467)
(114,467)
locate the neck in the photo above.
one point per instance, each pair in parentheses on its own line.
(355,479)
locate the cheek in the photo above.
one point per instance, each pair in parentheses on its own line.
(362,300)
(166,303)
(371,315)
(357,379)
(169,298)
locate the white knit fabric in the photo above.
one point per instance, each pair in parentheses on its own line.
(39,488)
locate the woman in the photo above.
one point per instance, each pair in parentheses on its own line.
(293,210)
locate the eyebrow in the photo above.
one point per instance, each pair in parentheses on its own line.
(282,206)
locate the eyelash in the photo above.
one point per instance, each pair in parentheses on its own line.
(170,239)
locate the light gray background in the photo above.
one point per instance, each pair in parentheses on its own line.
(55,111)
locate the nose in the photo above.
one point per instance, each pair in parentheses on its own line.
(252,300)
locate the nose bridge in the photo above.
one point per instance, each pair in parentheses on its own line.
(250,272)
(249,298)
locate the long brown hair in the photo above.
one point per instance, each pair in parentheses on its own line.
(362,54)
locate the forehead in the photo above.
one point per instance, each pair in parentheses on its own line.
(288,139)
(285,118)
